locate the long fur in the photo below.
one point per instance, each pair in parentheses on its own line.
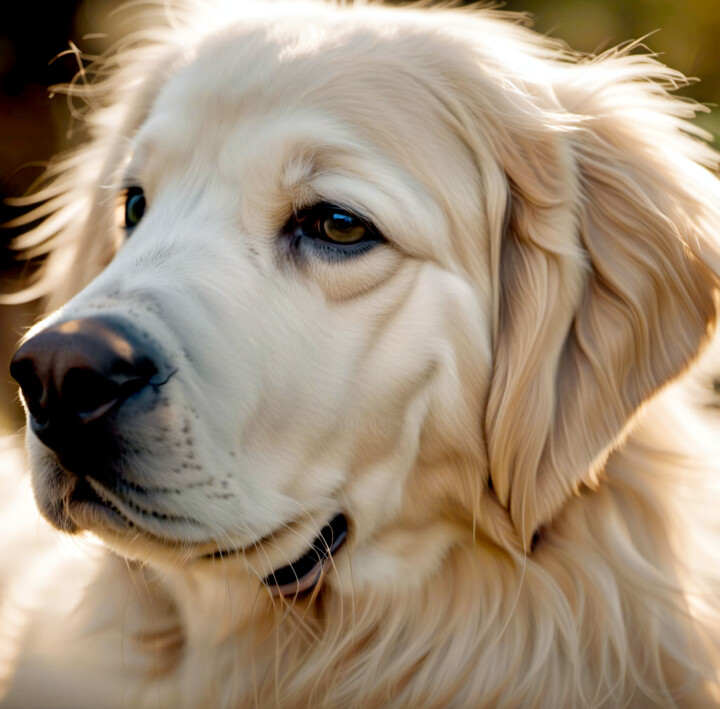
(506,412)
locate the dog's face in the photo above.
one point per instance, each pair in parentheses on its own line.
(288,267)
(355,273)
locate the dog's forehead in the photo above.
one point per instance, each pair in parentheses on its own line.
(351,98)
(372,80)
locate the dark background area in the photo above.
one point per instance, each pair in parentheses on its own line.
(33,127)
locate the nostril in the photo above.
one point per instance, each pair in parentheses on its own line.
(87,393)
(90,394)
(23,371)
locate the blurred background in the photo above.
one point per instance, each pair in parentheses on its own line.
(35,39)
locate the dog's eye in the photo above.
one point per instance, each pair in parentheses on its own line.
(332,231)
(134,206)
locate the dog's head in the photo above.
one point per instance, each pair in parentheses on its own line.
(419,269)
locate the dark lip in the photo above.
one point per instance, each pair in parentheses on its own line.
(84,500)
(305,573)
(88,494)
(85,493)
(302,576)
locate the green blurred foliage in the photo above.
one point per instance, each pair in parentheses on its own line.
(685,34)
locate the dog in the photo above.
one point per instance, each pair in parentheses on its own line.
(367,374)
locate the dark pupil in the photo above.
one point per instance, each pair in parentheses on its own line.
(134,208)
(343,222)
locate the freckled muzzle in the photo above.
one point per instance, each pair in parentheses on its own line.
(75,376)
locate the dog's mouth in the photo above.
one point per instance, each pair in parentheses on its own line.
(84,492)
(305,574)
(88,507)
(301,577)
(91,505)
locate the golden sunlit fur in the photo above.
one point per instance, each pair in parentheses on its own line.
(500,398)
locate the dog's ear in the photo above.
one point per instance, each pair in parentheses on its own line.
(607,273)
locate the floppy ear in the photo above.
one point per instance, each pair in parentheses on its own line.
(608,274)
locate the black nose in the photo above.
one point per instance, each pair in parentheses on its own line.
(74,374)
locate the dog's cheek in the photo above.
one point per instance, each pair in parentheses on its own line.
(418,404)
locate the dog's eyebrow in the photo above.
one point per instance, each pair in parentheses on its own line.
(131,167)
(158,140)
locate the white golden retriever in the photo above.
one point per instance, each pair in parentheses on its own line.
(359,379)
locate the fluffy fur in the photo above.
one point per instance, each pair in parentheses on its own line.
(533,512)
